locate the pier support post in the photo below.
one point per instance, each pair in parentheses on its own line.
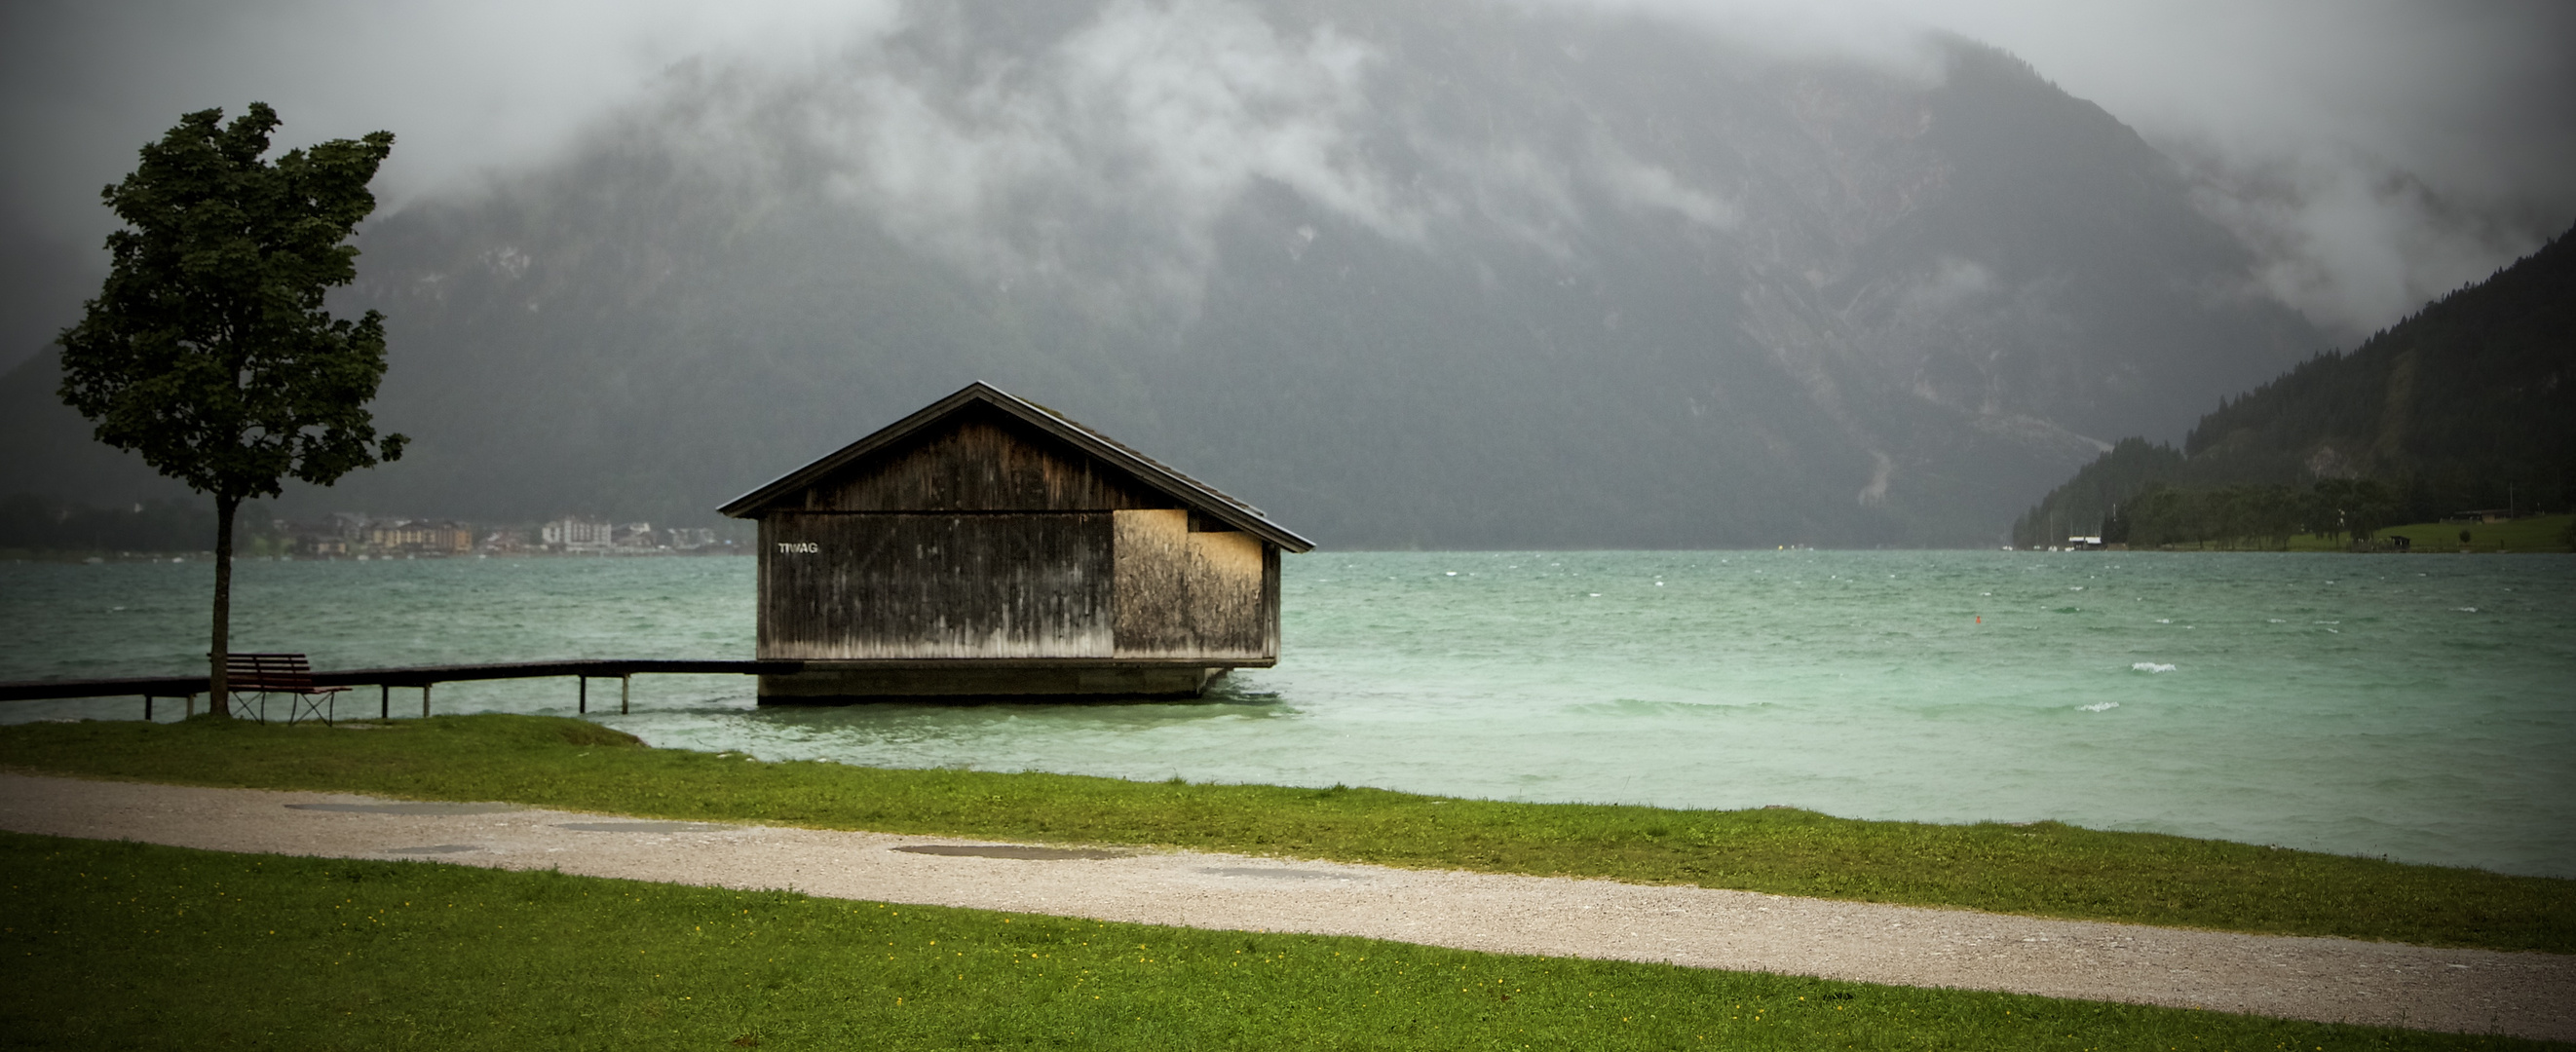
(384,701)
(583,706)
(424,701)
(623,682)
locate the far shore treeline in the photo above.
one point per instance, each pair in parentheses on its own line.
(32,523)
(2469,405)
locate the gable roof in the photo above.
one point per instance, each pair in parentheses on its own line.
(1191,493)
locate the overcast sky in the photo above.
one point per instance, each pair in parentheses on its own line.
(2375,153)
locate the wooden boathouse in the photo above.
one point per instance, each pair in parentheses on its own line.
(989,546)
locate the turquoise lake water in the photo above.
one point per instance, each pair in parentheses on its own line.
(2418,707)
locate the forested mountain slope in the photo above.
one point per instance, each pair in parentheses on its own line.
(1439,274)
(2468,404)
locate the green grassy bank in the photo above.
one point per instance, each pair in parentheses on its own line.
(2046,869)
(120,945)
(2538,533)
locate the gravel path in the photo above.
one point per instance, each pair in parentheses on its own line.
(2331,980)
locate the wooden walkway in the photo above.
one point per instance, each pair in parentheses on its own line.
(419,677)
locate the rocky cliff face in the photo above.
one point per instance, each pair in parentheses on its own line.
(1437,274)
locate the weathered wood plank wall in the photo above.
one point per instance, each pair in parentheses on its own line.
(985,462)
(838,586)
(1181,593)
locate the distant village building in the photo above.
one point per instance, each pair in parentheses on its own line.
(312,540)
(577,535)
(689,538)
(988,546)
(418,537)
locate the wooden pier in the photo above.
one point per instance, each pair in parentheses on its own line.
(415,677)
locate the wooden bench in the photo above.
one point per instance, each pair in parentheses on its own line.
(288,674)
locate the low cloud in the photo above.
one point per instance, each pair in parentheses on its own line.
(1953,281)
(1638,184)
(469,87)
(1111,154)
(2356,244)
(2373,153)
(1104,162)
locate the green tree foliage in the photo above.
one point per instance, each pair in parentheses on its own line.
(208,350)
(2256,517)
(2158,511)
(2095,496)
(2469,404)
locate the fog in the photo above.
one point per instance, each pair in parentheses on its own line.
(2377,153)
(2373,154)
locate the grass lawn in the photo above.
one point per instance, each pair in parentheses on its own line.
(2045,869)
(2539,533)
(121,945)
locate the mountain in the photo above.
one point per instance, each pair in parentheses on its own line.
(2468,404)
(1443,274)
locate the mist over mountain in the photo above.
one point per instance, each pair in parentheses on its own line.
(1446,274)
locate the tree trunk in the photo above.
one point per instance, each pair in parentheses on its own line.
(219,700)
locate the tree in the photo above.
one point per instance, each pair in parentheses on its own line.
(208,350)
(2115,526)
(2372,505)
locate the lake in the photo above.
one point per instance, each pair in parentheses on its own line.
(2421,707)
